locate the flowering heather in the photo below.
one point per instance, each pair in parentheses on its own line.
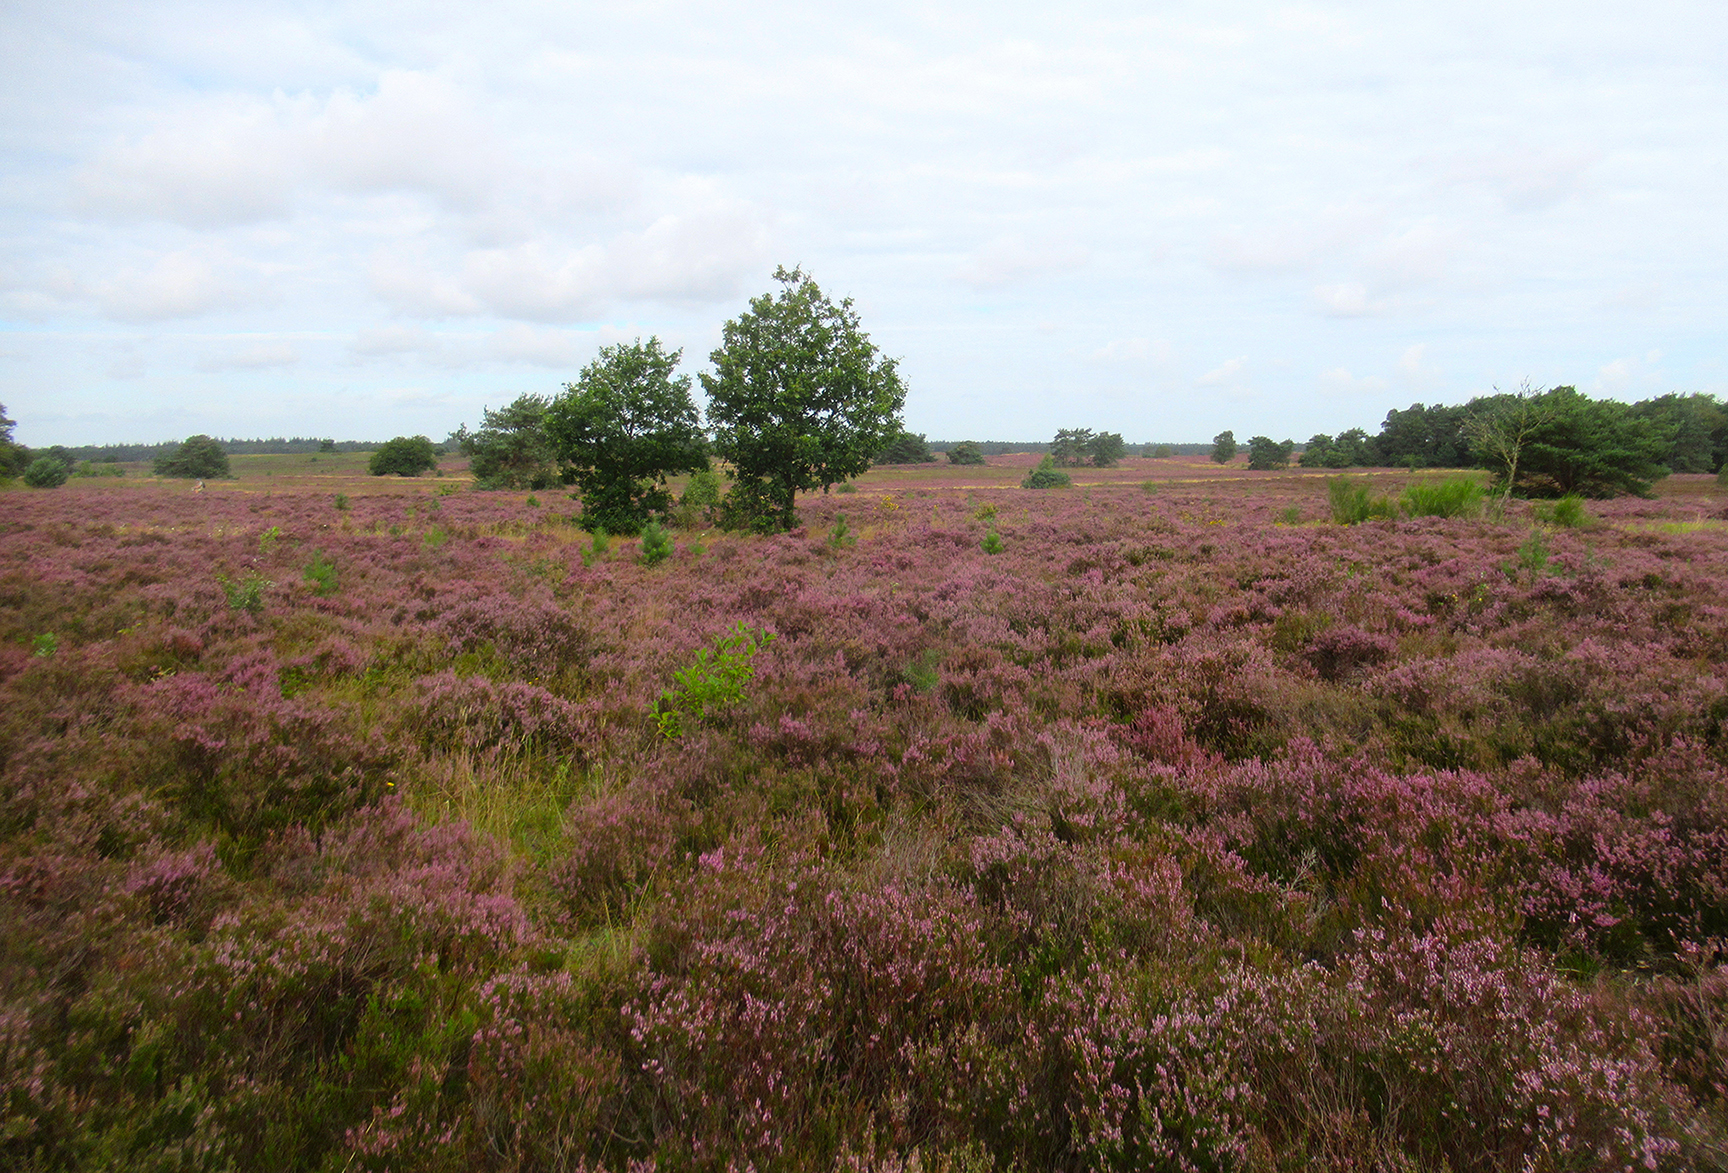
(1168,830)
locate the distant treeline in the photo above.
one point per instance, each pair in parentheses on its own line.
(111,453)
(999,447)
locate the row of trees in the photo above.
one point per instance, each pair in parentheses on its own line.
(799,399)
(1535,443)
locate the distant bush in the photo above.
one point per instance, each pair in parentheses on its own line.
(405,456)
(45,473)
(965,452)
(197,457)
(1268,455)
(1353,503)
(1046,476)
(906,448)
(1459,496)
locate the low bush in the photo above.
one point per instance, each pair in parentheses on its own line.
(1046,476)
(1457,496)
(1353,503)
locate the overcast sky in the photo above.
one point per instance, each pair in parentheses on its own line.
(1163,219)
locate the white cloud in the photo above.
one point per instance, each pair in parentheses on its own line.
(177,285)
(1230,375)
(255,357)
(556,349)
(1007,260)
(1134,352)
(1346,300)
(1340,382)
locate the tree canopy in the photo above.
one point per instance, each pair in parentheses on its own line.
(1224,447)
(965,452)
(405,456)
(198,456)
(800,398)
(1591,447)
(511,449)
(1266,454)
(624,426)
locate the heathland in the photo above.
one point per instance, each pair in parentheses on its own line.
(1154,822)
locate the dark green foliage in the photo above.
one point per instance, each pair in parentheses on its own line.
(1069,448)
(1046,476)
(1349,449)
(992,543)
(14,458)
(800,398)
(1159,451)
(45,473)
(1106,449)
(626,425)
(906,448)
(511,449)
(197,456)
(1266,455)
(1591,448)
(1224,447)
(326,445)
(405,456)
(1425,437)
(1700,429)
(965,452)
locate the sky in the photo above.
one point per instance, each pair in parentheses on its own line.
(362,220)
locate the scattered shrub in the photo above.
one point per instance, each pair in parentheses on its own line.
(1353,503)
(713,682)
(1567,512)
(45,472)
(1458,496)
(1046,476)
(656,544)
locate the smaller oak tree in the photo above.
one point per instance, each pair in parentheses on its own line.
(624,426)
(800,399)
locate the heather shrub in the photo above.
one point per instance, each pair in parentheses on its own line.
(1457,496)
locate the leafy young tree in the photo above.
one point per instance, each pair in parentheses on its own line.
(198,456)
(906,448)
(1224,447)
(965,452)
(405,456)
(624,426)
(1266,454)
(511,449)
(800,398)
